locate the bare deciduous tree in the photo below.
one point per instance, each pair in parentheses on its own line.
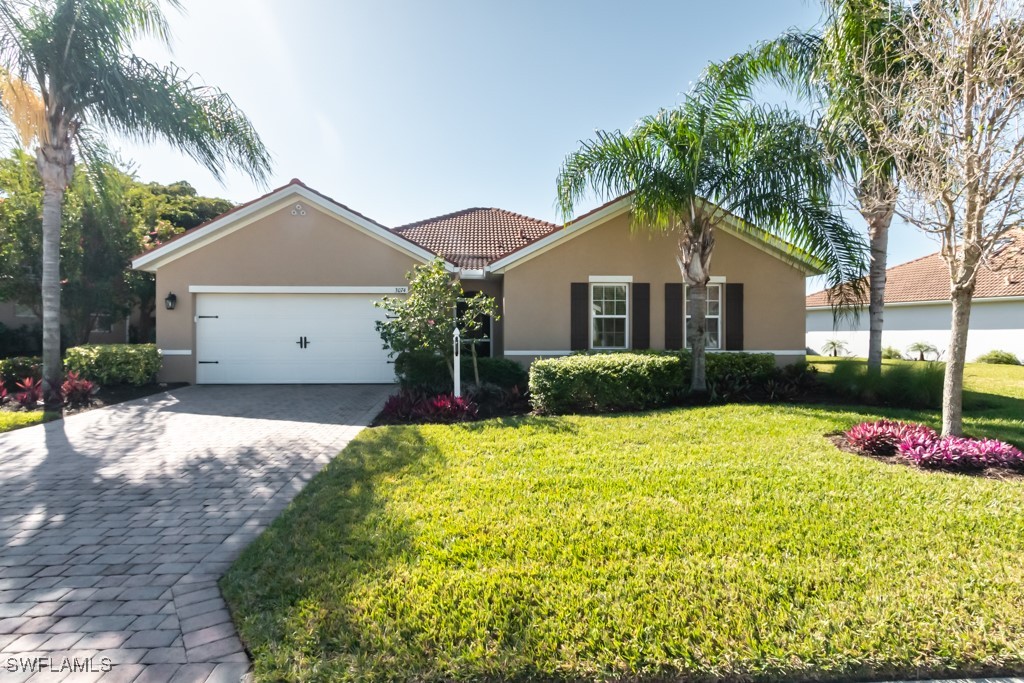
(958,99)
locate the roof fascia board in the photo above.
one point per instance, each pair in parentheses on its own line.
(555,238)
(264,207)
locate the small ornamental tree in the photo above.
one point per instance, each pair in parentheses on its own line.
(426,319)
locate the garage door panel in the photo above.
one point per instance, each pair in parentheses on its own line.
(253,338)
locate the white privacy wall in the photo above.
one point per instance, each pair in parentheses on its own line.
(995,324)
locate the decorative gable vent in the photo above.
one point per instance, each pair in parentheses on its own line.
(298,210)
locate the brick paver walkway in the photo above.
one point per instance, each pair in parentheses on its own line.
(116,523)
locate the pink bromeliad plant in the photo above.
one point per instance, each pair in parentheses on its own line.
(960,453)
(922,446)
(883,437)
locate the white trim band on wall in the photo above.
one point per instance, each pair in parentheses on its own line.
(610,279)
(777,352)
(537,353)
(174,352)
(278,289)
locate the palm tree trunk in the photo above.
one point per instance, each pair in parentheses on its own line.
(876,195)
(878,232)
(55,164)
(953,384)
(696,330)
(696,244)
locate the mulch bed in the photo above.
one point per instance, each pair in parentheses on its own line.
(839,441)
(108,396)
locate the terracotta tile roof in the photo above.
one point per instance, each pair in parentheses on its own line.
(926,278)
(472,238)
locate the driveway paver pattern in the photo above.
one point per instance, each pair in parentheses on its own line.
(117,523)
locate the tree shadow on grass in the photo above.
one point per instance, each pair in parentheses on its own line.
(552,424)
(294,591)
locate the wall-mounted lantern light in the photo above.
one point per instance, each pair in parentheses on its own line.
(171,301)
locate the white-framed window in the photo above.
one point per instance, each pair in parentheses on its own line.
(609,315)
(23,311)
(482,337)
(714,316)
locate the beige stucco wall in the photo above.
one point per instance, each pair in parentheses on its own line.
(536,292)
(280,249)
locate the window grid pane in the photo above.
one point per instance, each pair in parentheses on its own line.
(713,317)
(609,315)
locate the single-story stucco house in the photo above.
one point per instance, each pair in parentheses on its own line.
(917,307)
(281,289)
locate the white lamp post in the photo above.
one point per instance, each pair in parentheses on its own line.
(457,343)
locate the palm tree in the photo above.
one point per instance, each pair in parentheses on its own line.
(921,348)
(820,66)
(834,347)
(689,168)
(68,77)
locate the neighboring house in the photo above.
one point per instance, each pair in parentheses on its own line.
(14,316)
(917,307)
(281,290)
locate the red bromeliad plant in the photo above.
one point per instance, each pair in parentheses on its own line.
(30,394)
(4,396)
(960,453)
(408,406)
(77,390)
(922,446)
(883,437)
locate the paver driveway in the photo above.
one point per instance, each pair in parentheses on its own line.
(117,523)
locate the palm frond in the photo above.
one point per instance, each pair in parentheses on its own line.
(791,61)
(145,102)
(24,109)
(759,167)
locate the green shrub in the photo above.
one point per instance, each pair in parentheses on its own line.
(892,352)
(426,371)
(905,385)
(13,370)
(605,382)
(599,382)
(108,364)
(733,376)
(996,357)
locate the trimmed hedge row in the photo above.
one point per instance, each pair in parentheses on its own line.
(639,381)
(606,382)
(104,364)
(425,371)
(107,364)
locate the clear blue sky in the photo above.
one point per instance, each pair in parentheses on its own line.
(405,109)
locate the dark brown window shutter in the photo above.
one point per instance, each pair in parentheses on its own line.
(733,316)
(673,315)
(579,317)
(641,315)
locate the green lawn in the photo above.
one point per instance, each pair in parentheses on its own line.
(993,396)
(10,421)
(720,543)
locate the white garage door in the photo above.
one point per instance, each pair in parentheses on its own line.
(289,339)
